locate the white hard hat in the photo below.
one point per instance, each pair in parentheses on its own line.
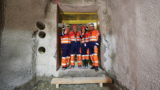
(91,24)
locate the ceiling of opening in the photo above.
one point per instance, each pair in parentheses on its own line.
(77,18)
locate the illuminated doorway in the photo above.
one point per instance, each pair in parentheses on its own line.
(81,19)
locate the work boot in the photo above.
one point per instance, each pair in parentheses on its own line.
(92,67)
(86,63)
(96,69)
(63,68)
(79,67)
(69,67)
(83,62)
(84,67)
(72,67)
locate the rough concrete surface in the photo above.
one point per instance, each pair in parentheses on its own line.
(129,42)
(16,64)
(137,28)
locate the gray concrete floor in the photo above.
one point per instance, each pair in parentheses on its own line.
(77,69)
(43,83)
(76,72)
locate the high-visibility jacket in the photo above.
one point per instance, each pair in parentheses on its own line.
(65,40)
(94,38)
(84,46)
(65,47)
(75,47)
(74,37)
(85,39)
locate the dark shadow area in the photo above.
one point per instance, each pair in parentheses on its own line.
(42,50)
(2,18)
(40,25)
(42,34)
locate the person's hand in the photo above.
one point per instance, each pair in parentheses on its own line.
(82,33)
(65,32)
(62,23)
(95,47)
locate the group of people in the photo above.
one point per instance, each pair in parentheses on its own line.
(70,43)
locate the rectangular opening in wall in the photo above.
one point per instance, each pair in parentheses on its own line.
(81,19)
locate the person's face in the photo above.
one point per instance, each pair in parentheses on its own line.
(91,27)
(83,30)
(67,29)
(74,28)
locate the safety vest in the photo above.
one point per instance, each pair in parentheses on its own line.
(65,39)
(93,36)
(75,37)
(85,38)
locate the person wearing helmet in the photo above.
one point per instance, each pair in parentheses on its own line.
(65,47)
(94,40)
(75,46)
(84,45)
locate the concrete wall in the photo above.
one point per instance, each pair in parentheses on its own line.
(136,26)
(17,66)
(129,40)
(20,59)
(46,63)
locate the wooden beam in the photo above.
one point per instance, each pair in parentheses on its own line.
(57,85)
(101,84)
(81,80)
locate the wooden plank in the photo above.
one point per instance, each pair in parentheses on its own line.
(57,85)
(81,80)
(101,84)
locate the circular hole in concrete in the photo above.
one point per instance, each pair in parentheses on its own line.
(40,25)
(42,50)
(42,34)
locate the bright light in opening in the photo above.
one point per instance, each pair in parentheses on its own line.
(95,25)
